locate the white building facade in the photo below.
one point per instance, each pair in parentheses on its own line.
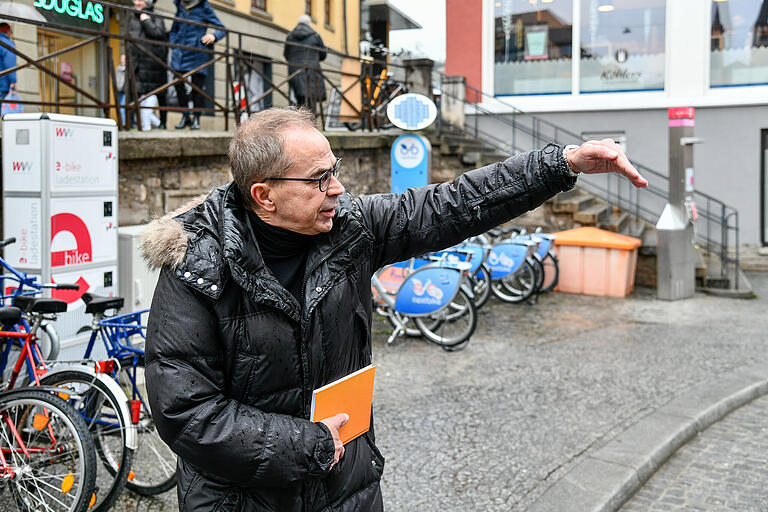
(613,67)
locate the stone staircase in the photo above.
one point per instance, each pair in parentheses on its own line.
(470,151)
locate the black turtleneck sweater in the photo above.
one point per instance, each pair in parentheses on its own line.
(284,253)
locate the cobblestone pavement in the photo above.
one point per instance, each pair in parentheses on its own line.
(491,427)
(722,470)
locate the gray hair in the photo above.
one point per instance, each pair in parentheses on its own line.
(305,19)
(256,150)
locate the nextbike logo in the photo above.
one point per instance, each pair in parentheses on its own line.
(68,167)
(500,260)
(435,294)
(65,133)
(82,9)
(21,167)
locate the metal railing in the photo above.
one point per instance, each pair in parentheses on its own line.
(233,50)
(716,230)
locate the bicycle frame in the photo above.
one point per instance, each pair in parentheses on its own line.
(116,332)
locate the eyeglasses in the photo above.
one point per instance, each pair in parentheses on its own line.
(323,181)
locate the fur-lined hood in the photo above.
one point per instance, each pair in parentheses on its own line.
(164,241)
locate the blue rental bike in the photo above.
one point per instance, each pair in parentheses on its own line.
(431,292)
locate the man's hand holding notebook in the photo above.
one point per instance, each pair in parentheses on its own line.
(345,406)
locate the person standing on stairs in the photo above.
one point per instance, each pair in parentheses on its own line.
(184,60)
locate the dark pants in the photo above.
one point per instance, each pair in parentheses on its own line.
(198,79)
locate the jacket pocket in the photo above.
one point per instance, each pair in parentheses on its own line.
(361,466)
(377,460)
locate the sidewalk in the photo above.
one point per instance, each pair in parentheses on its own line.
(541,389)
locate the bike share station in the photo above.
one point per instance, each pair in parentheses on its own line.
(60,199)
(676,256)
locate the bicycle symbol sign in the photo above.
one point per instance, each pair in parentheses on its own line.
(410,160)
(409,151)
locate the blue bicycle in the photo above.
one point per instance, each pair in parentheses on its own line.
(95,397)
(434,294)
(123,337)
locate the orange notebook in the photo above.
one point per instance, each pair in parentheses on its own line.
(352,395)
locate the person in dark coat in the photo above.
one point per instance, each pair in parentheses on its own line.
(184,60)
(149,74)
(307,85)
(264,295)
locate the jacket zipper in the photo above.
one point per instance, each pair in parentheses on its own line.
(302,323)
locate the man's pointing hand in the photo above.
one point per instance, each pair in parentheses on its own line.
(603,156)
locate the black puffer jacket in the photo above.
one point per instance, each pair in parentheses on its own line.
(232,359)
(149,73)
(309,82)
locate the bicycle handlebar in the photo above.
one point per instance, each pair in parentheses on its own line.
(7,241)
(67,286)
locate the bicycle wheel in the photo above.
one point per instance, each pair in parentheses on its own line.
(481,285)
(452,325)
(58,470)
(551,272)
(154,464)
(100,408)
(517,286)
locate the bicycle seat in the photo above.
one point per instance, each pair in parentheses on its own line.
(40,305)
(98,304)
(10,316)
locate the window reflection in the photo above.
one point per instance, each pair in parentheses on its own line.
(622,45)
(739,43)
(532,46)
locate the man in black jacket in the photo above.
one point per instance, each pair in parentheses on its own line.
(264,295)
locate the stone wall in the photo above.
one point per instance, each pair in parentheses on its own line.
(159,173)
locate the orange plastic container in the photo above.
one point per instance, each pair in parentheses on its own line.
(596,262)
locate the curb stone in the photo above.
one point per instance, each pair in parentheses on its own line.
(610,475)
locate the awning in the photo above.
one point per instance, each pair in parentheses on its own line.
(382,10)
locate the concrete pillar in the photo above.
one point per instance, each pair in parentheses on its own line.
(418,76)
(452,100)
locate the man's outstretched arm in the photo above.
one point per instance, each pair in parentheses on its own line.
(437,216)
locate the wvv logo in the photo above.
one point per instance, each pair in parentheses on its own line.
(64,132)
(21,166)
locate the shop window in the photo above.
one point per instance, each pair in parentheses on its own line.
(622,45)
(739,43)
(532,46)
(259,4)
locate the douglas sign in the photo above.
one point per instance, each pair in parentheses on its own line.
(82,9)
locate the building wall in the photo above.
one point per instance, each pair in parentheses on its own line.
(285,13)
(727,163)
(271,26)
(463,19)
(159,174)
